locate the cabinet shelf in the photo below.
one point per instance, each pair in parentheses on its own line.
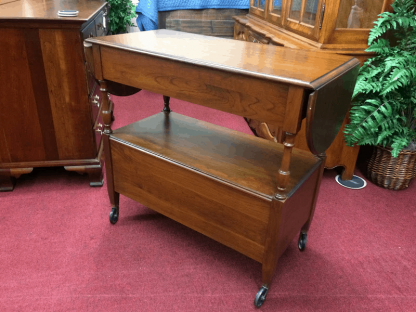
(236,158)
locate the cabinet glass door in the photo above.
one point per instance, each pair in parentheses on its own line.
(257,7)
(354,20)
(275,11)
(358,13)
(304,16)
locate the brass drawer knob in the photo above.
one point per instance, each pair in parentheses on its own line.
(99,128)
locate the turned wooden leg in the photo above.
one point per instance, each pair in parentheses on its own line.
(284,173)
(7,182)
(106,116)
(111,108)
(166,100)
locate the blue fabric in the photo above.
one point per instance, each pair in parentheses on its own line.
(147,9)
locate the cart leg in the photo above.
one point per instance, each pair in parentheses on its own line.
(261,296)
(305,227)
(166,100)
(106,113)
(272,250)
(114,199)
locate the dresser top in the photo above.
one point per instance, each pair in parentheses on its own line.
(48,9)
(298,67)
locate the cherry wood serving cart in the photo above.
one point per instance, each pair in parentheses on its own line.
(245,192)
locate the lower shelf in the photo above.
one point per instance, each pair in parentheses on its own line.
(243,160)
(216,181)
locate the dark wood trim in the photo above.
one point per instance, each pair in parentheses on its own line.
(51,163)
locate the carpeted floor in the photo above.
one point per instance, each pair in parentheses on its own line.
(59,252)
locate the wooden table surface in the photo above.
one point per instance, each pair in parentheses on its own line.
(303,68)
(261,82)
(48,9)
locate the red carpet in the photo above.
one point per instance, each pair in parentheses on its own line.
(59,251)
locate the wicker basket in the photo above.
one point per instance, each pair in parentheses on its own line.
(392,173)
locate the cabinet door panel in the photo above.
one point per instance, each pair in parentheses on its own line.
(350,21)
(304,17)
(66,80)
(275,11)
(257,7)
(358,13)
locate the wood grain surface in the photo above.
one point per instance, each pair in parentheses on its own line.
(48,9)
(230,155)
(263,61)
(250,194)
(47,118)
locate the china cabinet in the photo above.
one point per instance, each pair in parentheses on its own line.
(336,26)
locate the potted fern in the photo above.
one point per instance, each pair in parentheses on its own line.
(121,13)
(383,112)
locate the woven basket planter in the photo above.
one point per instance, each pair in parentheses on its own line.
(392,173)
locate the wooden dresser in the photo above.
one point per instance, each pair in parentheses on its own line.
(49,108)
(336,26)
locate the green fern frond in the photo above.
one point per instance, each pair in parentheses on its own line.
(384,99)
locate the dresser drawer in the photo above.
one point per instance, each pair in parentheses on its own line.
(91,82)
(98,130)
(89,31)
(99,125)
(101,23)
(95,101)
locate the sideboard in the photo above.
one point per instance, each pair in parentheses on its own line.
(338,27)
(49,108)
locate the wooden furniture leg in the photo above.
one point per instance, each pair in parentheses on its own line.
(166,100)
(271,253)
(305,227)
(95,173)
(106,114)
(7,182)
(8,177)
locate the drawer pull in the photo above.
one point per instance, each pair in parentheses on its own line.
(99,128)
(105,20)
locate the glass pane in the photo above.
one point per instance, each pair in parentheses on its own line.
(309,16)
(358,13)
(262,4)
(295,9)
(255,3)
(277,7)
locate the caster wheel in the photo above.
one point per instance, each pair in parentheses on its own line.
(261,296)
(302,241)
(114,216)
